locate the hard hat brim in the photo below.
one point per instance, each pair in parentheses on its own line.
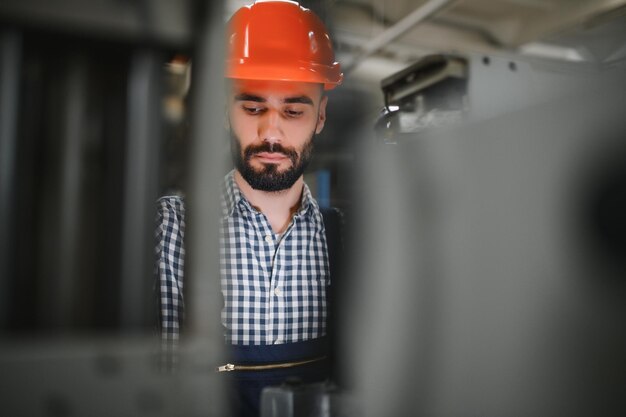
(248,69)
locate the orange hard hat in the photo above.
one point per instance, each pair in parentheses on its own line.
(280,40)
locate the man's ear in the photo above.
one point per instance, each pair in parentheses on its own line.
(321,115)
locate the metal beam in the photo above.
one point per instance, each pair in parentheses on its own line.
(420,14)
(10,63)
(563,18)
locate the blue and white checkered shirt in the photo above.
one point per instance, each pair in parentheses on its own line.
(274,285)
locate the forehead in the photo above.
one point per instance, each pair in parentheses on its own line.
(277,89)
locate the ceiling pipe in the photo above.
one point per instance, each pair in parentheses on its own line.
(420,14)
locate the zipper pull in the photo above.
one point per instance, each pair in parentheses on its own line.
(226,368)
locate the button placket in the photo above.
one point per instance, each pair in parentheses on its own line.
(266,243)
(278,291)
(272,302)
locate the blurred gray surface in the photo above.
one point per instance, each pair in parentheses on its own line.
(100,376)
(491,265)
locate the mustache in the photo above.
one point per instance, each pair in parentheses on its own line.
(251,150)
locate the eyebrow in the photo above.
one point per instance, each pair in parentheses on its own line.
(298,99)
(249,97)
(289,100)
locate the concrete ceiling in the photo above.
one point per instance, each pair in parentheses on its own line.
(573,30)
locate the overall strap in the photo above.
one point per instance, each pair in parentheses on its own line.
(333,223)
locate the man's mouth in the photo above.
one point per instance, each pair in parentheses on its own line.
(271,157)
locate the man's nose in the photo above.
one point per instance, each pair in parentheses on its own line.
(270,127)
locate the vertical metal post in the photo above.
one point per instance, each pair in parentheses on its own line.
(10,63)
(63,290)
(206,171)
(141,183)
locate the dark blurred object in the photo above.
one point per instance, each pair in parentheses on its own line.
(81,134)
(82,128)
(603,205)
(86,146)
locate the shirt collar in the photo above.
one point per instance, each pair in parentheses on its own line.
(232,196)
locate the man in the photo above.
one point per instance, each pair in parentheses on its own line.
(274,251)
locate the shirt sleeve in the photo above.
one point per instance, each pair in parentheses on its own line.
(170,258)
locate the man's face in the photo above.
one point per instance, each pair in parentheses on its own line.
(272,126)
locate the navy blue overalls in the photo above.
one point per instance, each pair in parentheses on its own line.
(245,386)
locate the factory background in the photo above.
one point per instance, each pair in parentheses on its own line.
(477,149)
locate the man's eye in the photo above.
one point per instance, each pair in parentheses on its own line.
(293,113)
(253,110)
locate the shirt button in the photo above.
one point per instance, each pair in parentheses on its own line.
(269,239)
(278,341)
(277,291)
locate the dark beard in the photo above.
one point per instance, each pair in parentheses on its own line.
(269,178)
